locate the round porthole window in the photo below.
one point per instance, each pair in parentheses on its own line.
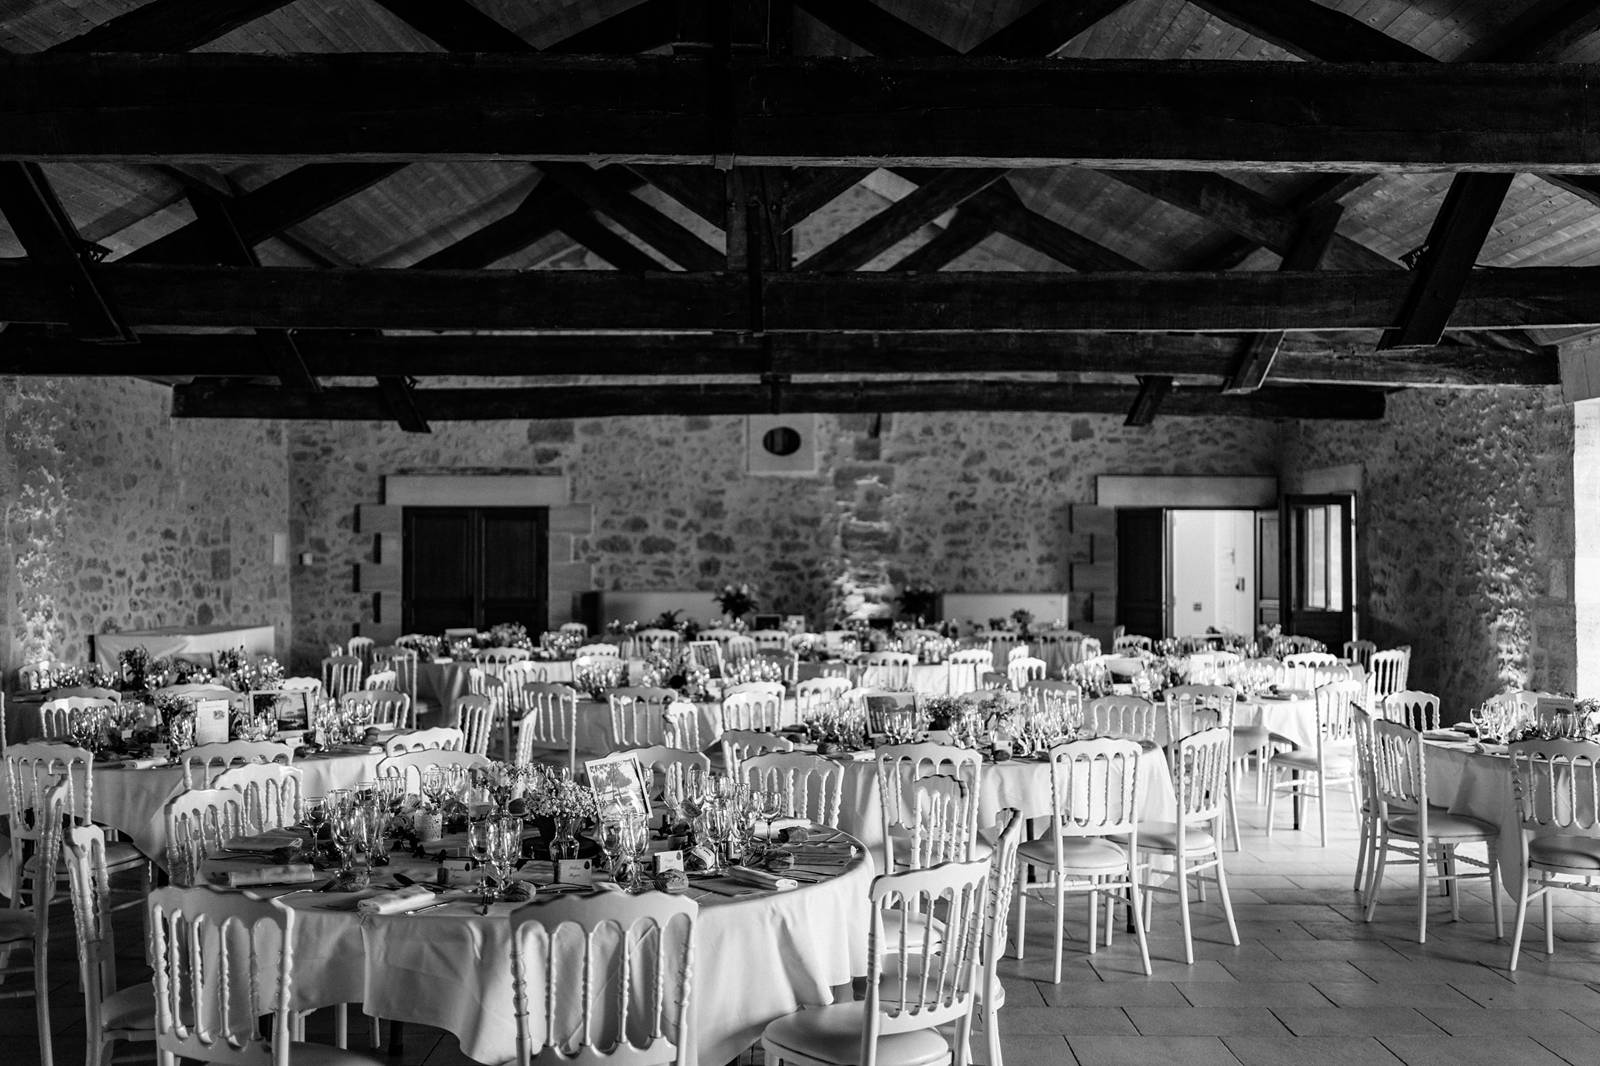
(781,440)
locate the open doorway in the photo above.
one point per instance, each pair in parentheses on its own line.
(1213,568)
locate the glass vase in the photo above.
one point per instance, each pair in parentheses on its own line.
(564,844)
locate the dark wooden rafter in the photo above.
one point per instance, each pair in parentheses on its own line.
(1307,28)
(538,215)
(170,25)
(399,398)
(48,236)
(1045,29)
(875,29)
(1307,252)
(610,191)
(1006,212)
(1447,260)
(799,301)
(1319,189)
(1267,116)
(809,190)
(553,401)
(967,229)
(899,220)
(1538,34)
(211,210)
(1152,393)
(580,224)
(1196,360)
(637,29)
(456,25)
(697,188)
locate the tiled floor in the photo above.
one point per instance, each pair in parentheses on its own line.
(1308,983)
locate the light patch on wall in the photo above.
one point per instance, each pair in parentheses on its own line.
(781,445)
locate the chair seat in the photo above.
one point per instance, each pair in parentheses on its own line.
(1564,852)
(1087,855)
(328,1055)
(121,854)
(1442,825)
(833,1034)
(1339,762)
(16,925)
(1163,836)
(133,1007)
(916,928)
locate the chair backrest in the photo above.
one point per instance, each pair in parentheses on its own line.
(199,822)
(1335,724)
(658,642)
(1122,716)
(1310,658)
(1024,668)
(636,716)
(1417,709)
(32,770)
(814,691)
(1252,675)
(473,714)
(1002,885)
(1399,770)
(944,821)
(90,882)
(752,710)
(301,684)
(1359,652)
(575,629)
(382,679)
(900,766)
(341,674)
(221,961)
(402,662)
(1366,772)
(492,686)
(438,738)
(360,648)
(382,707)
(1389,670)
(888,669)
(203,762)
(1200,763)
(1191,708)
(671,769)
(549,722)
(769,688)
(525,672)
(1556,786)
(1095,789)
(494,660)
(56,716)
(814,785)
(1289,644)
(771,639)
(1131,642)
(609,651)
(411,765)
(680,726)
(942,987)
(273,794)
(579,964)
(740,744)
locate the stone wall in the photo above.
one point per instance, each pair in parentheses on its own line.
(118,517)
(965,502)
(1464,534)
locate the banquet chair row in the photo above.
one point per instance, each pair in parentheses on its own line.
(383,707)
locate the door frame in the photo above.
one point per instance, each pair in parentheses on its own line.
(1290,541)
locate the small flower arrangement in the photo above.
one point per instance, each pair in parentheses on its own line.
(736,600)
(552,795)
(509,635)
(177,721)
(134,666)
(426,646)
(87,675)
(1022,619)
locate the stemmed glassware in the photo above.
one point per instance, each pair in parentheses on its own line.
(505,846)
(480,840)
(349,834)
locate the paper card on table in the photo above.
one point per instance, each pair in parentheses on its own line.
(575,871)
(619,787)
(211,721)
(668,860)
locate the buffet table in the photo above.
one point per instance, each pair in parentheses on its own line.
(758,958)
(198,643)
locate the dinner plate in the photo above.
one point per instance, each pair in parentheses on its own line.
(1445,736)
(1493,749)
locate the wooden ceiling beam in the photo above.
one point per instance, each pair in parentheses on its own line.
(810,189)
(584,401)
(641,27)
(1046,29)
(697,188)
(537,216)
(1005,210)
(1307,252)
(874,29)
(1192,359)
(610,191)
(1538,34)
(930,199)
(799,301)
(170,25)
(47,235)
(399,399)
(1152,393)
(1307,28)
(803,111)
(967,229)
(456,25)
(1454,242)
(579,223)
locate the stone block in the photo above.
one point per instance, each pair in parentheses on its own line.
(1080,548)
(378,518)
(1093,577)
(382,632)
(572,518)
(570,577)
(390,549)
(378,577)
(1087,518)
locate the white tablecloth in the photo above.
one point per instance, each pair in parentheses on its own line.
(189,642)
(757,959)
(1466,781)
(1294,719)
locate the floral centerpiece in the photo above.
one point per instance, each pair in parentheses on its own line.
(134,664)
(565,804)
(1022,619)
(736,601)
(425,645)
(85,675)
(177,716)
(509,635)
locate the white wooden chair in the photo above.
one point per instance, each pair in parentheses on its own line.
(610,651)
(361,648)
(56,716)
(814,785)
(752,710)
(1555,784)
(203,762)
(813,692)
(899,1020)
(1359,652)
(1022,669)
(383,707)
(1310,658)
(1314,772)
(29,927)
(1130,642)
(439,738)
(402,662)
(671,769)
(966,669)
(473,715)
(775,689)
(493,661)
(1433,836)
(888,670)
(381,679)
(579,964)
(228,959)
(110,1013)
(411,765)
(32,770)
(341,674)
(770,639)
(549,723)
(898,768)
(680,726)
(1002,885)
(199,822)
(659,643)
(1388,671)
(739,744)
(637,716)
(1096,801)
(1201,765)
(1127,717)
(1414,708)
(273,794)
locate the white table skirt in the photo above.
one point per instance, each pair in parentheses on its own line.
(1466,781)
(757,959)
(1293,719)
(198,642)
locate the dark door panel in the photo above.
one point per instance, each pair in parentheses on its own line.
(1142,570)
(474,566)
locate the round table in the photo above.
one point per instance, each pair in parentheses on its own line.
(757,958)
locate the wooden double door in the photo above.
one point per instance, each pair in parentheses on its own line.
(475,566)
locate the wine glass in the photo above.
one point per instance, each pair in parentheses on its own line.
(505,844)
(375,817)
(480,841)
(348,828)
(774,804)
(612,843)
(639,829)
(435,784)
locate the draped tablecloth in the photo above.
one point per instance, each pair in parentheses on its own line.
(757,959)
(1294,718)
(440,682)
(187,642)
(1466,781)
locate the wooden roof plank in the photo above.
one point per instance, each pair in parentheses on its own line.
(170,25)
(1308,28)
(874,29)
(1049,26)
(456,25)
(936,195)
(1306,252)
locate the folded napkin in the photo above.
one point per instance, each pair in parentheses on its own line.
(397,902)
(271,840)
(148,763)
(292,874)
(747,875)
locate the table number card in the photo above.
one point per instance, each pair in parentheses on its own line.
(668,860)
(211,721)
(574,872)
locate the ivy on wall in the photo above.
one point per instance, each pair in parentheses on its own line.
(37,514)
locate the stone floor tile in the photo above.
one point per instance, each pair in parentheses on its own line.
(1206,1021)
(1295,970)
(1078,1021)
(1363,994)
(1151,1051)
(1025,1049)
(1322,1050)
(1471,1051)
(1253,993)
(1116,993)
(1475,1021)
(1370,1021)
(1127,968)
